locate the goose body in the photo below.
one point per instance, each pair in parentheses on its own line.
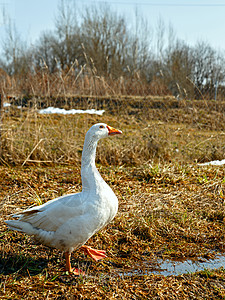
(67,222)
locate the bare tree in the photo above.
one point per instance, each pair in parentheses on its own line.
(140,41)
(178,66)
(160,37)
(44,52)
(67,46)
(208,68)
(172,40)
(14,51)
(60,48)
(105,38)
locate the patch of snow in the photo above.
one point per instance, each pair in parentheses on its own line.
(6,104)
(56,110)
(214,163)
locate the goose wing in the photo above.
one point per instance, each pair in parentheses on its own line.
(54,213)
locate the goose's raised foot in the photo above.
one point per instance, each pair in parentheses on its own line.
(94,253)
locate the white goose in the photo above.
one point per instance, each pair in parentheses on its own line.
(67,222)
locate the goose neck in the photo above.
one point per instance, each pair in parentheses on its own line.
(88,168)
(89,153)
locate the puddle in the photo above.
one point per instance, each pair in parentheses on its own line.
(170,267)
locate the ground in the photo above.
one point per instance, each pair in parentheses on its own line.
(170,207)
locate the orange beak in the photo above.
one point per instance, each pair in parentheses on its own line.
(113,131)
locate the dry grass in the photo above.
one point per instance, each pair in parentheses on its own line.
(81,80)
(165,212)
(169,207)
(155,129)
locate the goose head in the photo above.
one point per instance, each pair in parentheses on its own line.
(101,130)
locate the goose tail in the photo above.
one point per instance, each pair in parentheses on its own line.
(21,226)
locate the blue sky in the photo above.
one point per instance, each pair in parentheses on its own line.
(192,20)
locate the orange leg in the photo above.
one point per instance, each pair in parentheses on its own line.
(94,253)
(68,266)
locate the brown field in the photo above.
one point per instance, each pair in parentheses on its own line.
(169,206)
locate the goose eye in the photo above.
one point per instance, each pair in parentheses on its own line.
(101,126)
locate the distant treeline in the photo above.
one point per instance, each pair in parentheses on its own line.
(99,52)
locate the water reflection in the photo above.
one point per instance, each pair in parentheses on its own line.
(170,267)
